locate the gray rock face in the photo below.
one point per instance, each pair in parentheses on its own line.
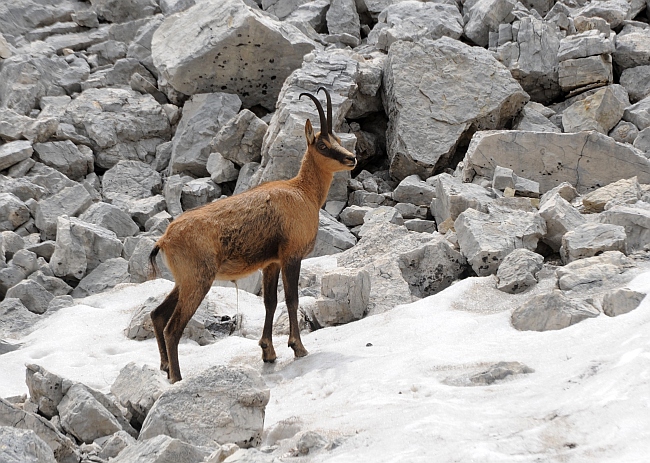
(121,124)
(229,402)
(23,446)
(13,212)
(131,180)
(624,191)
(636,81)
(14,152)
(624,132)
(414,191)
(551,311)
(485,16)
(211,33)
(284,143)
(635,220)
(69,201)
(138,388)
(454,197)
(591,272)
(588,43)
(639,113)
(124,10)
(106,275)
(419,78)
(198,192)
(345,296)
(81,247)
(240,139)
(46,389)
(411,21)
(600,111)
(632,47)
(642,142)
(15,319)
(486,239)
(529,48)
(112,218)
(532,120)
(592,239)
(64,156)
(621,301)
(332,237)
(343,22)
(203,116)
(561,217)
(518,271)
(63,448)
(163,449)
(32,295)
(585,72)
(553,158)
(221,169)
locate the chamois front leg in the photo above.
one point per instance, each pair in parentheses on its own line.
(160,317)
(290,275)
(270,275)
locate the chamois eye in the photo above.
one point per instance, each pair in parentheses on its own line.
(322,146)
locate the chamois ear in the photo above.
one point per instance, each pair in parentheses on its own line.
(309,133)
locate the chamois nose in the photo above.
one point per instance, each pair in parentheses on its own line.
(351,160)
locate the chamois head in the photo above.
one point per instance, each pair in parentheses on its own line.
(325,143)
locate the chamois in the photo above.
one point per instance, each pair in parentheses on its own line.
(270,227)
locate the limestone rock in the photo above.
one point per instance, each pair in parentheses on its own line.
(636,81)
(66,157)
(639,113)
(486,239)
(124,10)
(32,295)
(592,239)
(131,179)
(14,152)
(332,237)
(588,43)
(240,139)
(106,275)
(600,111)
(592,272)
(112,218)
(584,72)
(70,201)
(561,217)
(485,16)
(415,191)
(551,311)
(352,216)
(13,212)
(553,158)
(46,389)
(419,79)
(343,22)
(621,301)
(532,120)
(518,271)
(632,47)
(454,197)
(345,297)
(635,220)
(198,192)
(221,169)
(624,132)
(23,446)
(144,209)
(228,401)
(624,191)
(163,449)
(211,33)
(203,116)
(642,142)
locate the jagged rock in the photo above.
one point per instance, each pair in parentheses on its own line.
(553,158)
(585,72)
(636,81)
(81,247)
(486,15)
(381,214)
(70,201)
(486,239)
(14,126)
(63,448)
(221,169)
(365,199)
(403,266)
(561,217)
(332,236)
(64,156)
(23,446)
(592,272)
(352,216)
(163,449)
(624,132)
(50,179)
(114,444)
(532,120)
(240,139)
(284,143)
(158,223)
(32,295)
(345,296)
(592,239)
(529,48)
(343,22)
(246,176)
(229,401)
(140,48)
(145,208)
(600,111)
(13,212)
(131,179)
(281,8)
(85,18)
(420,225)
(635,220)
(139,261)
(46,389)
(14,152)
(411,20)
(106,275)
(415,191)
(551,311)
(453,71)
(112,218)
(124,10)
(311,12)
(639,113)
(518,271)
(138,388)
(454,197)
(621,301)
(612,11)
(493,374)
(203,116)
(588,43)
(632,47)
(624,191)
(52,284)
(198,192)
(642,142)
(211,33)
(16,320)
(121,124)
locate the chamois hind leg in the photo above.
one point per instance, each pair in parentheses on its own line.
(290,275)
(270,275)
(189,299)
(159,317)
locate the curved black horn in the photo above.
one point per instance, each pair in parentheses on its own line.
(323,121)
(329,109)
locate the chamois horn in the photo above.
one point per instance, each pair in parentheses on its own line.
(329,109)
(323,121)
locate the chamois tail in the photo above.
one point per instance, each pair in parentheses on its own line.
(153,267)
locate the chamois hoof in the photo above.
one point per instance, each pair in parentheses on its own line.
(298,351)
